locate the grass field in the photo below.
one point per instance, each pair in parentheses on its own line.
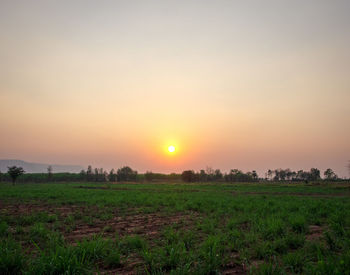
(77,228)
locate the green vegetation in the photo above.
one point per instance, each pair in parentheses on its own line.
(194,228)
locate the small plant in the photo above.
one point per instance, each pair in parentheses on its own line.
(264,250)
(331,241)
(59,260)
(113,258)
(69,220)
(189,239)
(151,262)
(11,257)
(89,220)
(38,232)
(25,220)
(294,262)
(267,269)
(235,239)
(211,254)
(295,241)
(171,236)
(280,245)
(132,243)
(95,249)
(173,255)
(272,228)
(298,223)
(106,216)
(52,218)
(108,228)
(19,229)
(3,228)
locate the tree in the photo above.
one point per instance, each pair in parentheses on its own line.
(210,173)
(188,176)
(49,172)
(330,175)
(217,174)
(15,172)
(112,176)
(126,174)
(96,174)
(269,174)
(149,175)
(203,176)
(315,174)
(89,173)
(82,175)
(255,175)
(289,174)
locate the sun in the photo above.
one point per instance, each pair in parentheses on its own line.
(171,148)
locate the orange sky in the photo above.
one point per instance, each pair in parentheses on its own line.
(231,85)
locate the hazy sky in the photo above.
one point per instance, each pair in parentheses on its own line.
(232,84)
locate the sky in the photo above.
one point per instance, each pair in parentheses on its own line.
(253,85)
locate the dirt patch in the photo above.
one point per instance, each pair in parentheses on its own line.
(122,222)
(88,221)
(132,265)
(315,232)
(233,268)
(29,209)
(147,225)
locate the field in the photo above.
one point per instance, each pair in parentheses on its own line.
(77,228)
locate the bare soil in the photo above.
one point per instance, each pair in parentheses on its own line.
(315,232)
(131,222)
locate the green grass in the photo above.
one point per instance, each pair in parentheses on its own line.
(257,228)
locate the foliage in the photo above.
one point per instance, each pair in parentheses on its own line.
(330,175)
(15,172)
(188,176)
(126,174)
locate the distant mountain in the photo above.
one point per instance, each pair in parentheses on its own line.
(31,167)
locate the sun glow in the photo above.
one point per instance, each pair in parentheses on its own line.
(171,148)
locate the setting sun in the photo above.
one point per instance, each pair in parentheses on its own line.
(171,148)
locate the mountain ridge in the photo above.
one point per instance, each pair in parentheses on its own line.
(33,167)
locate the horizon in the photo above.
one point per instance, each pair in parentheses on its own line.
(252,86)
(261,174)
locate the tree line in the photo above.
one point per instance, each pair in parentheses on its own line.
(210,175)
(288,175)
(236,175)
(125,174)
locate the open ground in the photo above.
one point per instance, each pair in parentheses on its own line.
(169,228)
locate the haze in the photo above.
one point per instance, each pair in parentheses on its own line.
(231,84)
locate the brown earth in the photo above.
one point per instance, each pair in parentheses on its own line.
(129,222)
(315,232)
(147,225)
